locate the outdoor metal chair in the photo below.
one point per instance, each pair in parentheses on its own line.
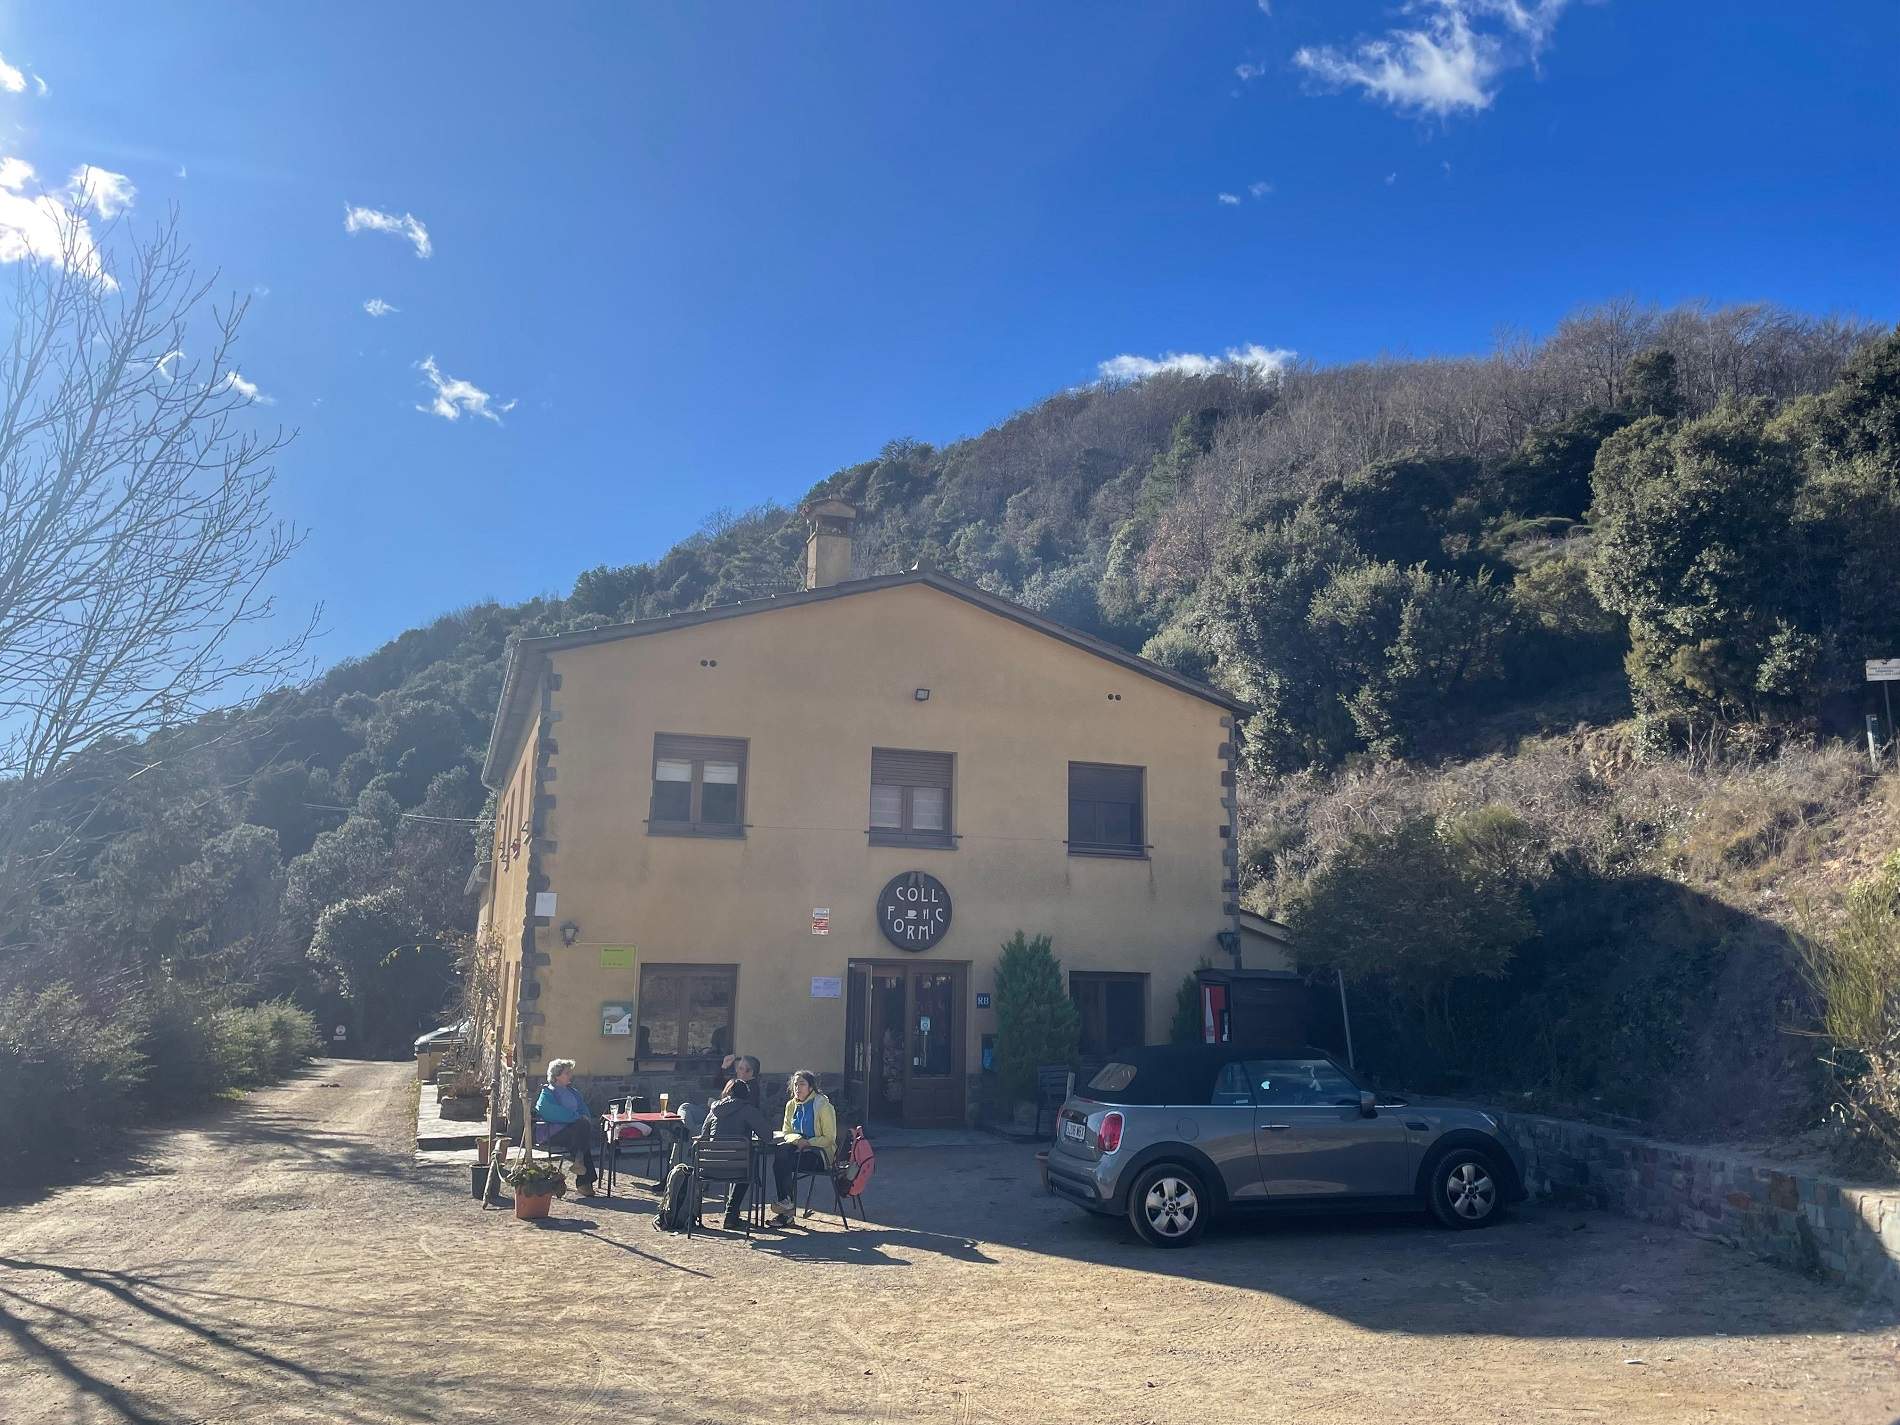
(719,1162)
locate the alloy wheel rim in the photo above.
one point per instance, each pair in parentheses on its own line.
(1171,1206)
(1470,1190)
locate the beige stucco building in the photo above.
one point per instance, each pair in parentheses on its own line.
(801,827)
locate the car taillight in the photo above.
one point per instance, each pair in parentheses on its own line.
(1110,1135)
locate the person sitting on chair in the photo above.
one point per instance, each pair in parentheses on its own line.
(733,1116)
(573,1129)
(742,1067)
(808,1139)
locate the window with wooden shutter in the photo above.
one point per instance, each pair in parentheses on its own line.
(910,798)
(698,786)
(1105,810)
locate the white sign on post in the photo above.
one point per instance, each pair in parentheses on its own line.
(1883,670)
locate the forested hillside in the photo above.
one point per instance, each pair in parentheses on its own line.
(1517,626)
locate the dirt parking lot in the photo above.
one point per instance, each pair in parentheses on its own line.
(286,1261)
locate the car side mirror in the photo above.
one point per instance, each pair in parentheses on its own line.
(1368,1106)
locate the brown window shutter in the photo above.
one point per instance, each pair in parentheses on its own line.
(673,746)
(891,767)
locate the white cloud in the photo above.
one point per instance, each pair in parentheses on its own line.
(1450,62)
(181,171)
(247,389)
(1250,71)
(1259,190)
(1390,179)
(40,86)
(1261,360)
(361,220)
(165,360)
(455,398)
(41,225)
(107,193)
(377,307)
(1266,8)
(11,79)
(1230,200)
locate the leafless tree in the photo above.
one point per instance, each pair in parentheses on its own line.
(136,534)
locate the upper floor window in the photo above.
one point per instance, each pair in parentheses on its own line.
(698,786)
(1105,816)
(910,798)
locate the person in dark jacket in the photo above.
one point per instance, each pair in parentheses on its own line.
(734,1116)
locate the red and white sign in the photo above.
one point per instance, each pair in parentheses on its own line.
(821,920)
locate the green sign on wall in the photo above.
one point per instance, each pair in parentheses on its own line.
(616,957)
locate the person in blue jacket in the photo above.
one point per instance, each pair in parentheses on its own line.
(570,1128)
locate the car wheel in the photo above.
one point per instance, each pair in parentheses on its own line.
(1168,1206)
(1464,1189)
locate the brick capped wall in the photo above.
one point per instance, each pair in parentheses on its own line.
(1792,1215)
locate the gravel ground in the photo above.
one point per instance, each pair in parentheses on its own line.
(286,1260)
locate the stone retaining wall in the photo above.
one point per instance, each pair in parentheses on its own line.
(1788,1214)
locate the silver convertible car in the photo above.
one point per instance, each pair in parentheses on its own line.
(1173,1135)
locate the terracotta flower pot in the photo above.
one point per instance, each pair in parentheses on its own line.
(528,1208)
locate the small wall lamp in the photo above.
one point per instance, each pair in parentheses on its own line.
(570,932)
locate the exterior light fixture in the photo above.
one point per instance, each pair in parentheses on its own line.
(922,695)
(570,932)
(1229,941)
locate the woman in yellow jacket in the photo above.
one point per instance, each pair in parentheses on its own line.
(807,1141)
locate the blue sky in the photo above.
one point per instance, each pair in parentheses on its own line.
(701,256)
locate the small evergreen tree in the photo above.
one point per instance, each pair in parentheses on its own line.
(1187,1027)
(1036,1023)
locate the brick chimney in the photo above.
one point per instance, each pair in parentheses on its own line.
(828,546)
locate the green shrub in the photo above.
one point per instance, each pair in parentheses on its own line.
(68,1071)
(1186,1026)
(260,1043)
(1036,1023)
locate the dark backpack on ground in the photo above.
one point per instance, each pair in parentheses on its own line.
(673,1194)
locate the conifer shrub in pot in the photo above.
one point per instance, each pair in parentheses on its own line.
(1036,1022)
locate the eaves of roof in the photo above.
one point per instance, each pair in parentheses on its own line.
(528,658)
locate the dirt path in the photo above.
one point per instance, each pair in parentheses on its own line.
(287,1262)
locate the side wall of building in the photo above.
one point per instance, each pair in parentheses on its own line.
(813,688)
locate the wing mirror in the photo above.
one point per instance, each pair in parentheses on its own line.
(1368,1106)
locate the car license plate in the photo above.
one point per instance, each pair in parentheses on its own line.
(1073,1130)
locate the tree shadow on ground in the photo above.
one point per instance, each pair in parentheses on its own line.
(206,1326)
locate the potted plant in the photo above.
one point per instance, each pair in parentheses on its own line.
(536,1182)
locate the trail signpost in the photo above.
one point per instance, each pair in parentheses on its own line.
(1886,672)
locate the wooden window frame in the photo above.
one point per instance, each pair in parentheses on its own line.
(695,825)
(1138,849)
(689,972)
(907,835)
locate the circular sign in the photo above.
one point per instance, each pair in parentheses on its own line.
(913,911)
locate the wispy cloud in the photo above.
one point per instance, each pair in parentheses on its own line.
(233,381)
(1230,200)
(166,360)
(1261,360)
(377,307)
(455,398)
(1448,62)
(107,193)
(37,224)
(371,220)
(11,79)
(1259,190)
(1250,71)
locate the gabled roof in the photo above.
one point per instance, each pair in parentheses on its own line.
(528,658)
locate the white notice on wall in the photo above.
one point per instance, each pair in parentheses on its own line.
(826,987)
(544,904)
(1883,670)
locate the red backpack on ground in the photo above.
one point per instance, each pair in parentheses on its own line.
(852,1172)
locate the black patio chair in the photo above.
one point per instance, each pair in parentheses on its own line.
(721,1162)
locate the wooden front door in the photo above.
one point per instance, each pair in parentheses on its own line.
(915,1034)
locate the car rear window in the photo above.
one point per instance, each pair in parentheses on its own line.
(1154,1079)
(1113,1078)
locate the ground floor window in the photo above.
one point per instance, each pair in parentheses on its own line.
(1113,1009)
(685,1011)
